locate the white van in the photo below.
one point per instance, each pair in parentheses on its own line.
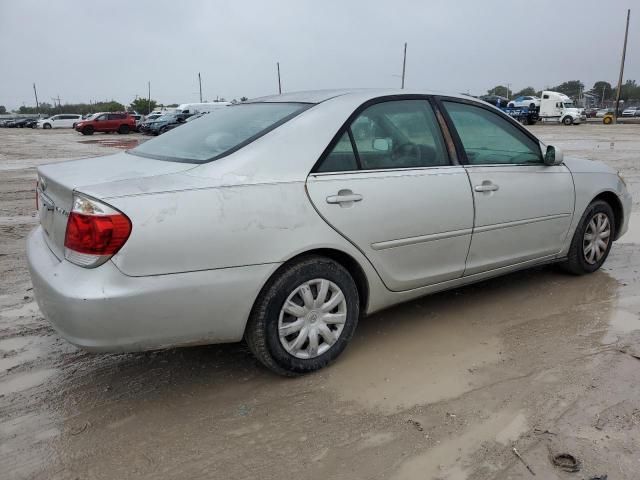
(64,120)
(201,107)
(557,107)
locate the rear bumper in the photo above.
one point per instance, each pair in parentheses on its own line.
(103,310)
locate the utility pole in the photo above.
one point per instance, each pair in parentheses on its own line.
(624,52)
(404,64)
(508,91)
(35,92)
(149,98)
(602,101)
(279,83)
(200,83)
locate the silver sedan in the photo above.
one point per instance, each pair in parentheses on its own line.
(283,220)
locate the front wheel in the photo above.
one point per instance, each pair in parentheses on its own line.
(592,239)
(46,126)
(567,120)
(304,317)
(87,131)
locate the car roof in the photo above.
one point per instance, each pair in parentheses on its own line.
(319,96)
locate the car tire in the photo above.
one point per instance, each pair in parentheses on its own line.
(592,227)
(87,131)
(123,130)
(46,126)
(532,106)
(568,120)
(607,120)
(305,349)
(510,105)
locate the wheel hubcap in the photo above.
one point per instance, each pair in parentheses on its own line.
(312,318)
(596,238)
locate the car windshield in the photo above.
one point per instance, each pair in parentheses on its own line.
(217,135)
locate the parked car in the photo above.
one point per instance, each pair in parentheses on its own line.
(272,221)
(25,122)
(66,120)
(107,122)
(164,123)
(525,101)
(590,112)
(495,100)
(603,111)
(631,112)
(147,120)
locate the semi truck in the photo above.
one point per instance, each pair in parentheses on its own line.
(557,107)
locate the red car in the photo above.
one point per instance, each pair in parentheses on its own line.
(120,122)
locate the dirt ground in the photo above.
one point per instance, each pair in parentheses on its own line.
(440,388)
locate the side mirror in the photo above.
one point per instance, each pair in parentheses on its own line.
(382,144)
(553,156)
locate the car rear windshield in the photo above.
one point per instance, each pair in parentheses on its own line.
(219,133)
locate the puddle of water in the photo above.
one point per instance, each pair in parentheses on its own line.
(512,432)
(16,343)
(443,460)
(28,309)
(621,323)
(16,351)
(124,144)
(397,364)
(633,233)
(23,381)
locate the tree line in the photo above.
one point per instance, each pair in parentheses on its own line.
(601,89)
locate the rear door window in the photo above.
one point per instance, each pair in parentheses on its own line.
(389,135)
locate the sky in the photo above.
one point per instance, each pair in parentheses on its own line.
(86,51)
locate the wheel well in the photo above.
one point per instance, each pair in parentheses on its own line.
(348,262)
(614,202)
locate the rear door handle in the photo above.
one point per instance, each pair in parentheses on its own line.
(346,197)
(486,187)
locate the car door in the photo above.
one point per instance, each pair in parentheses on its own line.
(523,208)
(386,183)
(113,121)
(63,121)
(101,122)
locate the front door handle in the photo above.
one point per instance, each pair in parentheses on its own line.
(486,187)
(344,198)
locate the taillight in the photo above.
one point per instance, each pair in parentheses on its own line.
(95,232)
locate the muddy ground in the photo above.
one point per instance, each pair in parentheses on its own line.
(439,388)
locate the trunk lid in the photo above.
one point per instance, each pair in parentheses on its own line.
(58,181)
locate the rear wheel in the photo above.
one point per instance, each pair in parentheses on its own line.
(304,317)
(87,131)
(592,239)
(568,120)
(124,129)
